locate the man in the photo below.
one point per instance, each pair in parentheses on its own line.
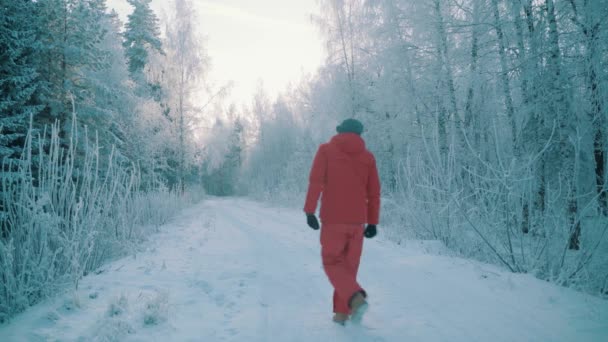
(345,173)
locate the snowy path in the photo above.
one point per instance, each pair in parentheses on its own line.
(234,270)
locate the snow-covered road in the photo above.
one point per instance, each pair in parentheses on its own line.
(236,270)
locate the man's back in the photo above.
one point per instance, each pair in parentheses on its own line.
(345,172)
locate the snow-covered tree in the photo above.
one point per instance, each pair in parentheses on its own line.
(19,78)
(73,62)
(186,69)
(142,35)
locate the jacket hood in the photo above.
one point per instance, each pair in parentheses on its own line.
(349,143)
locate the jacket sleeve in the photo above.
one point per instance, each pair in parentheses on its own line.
(316,181)
(373,195)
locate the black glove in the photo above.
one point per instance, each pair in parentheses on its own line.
(311,219)
(370,231)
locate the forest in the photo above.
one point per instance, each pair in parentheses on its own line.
(487,118)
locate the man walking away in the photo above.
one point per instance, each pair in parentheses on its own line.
(344,174)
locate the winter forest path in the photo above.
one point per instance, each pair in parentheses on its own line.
(235,270)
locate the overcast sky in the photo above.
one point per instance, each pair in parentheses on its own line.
(251,40)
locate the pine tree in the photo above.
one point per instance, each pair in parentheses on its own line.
(234,159)
(71,32)
(142,34)
(19,78)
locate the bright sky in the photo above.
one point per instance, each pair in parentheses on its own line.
(272,41)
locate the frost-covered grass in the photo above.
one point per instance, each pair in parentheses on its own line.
(64,211)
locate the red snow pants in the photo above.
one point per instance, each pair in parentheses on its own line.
(341,247)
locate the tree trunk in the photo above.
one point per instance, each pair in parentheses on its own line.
(446,62)
(536,131)
(597,117)
(347,49)
(504,75)
(591,31)
(470,119)
(558,106)
(450,113)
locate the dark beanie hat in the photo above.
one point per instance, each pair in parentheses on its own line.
(350,126)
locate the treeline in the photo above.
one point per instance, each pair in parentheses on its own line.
(131,86)
(96,135)
(487,117)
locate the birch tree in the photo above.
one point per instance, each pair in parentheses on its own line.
(187,63)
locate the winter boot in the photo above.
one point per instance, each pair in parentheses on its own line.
(340,318)
(359,306)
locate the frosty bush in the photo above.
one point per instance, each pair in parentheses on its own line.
(118,306)
(156,308)
(484,212)
(64,211)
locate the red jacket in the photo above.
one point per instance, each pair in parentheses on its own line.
(345,172)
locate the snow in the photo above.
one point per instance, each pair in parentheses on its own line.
(236,270)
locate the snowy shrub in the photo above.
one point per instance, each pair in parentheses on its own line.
(156,308)
(116,323)
(64,215)
(118,306)
(484,214)
(115,326)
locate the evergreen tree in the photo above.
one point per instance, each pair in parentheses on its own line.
(234,158)
(71,32)
(19,78)
(142,34)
